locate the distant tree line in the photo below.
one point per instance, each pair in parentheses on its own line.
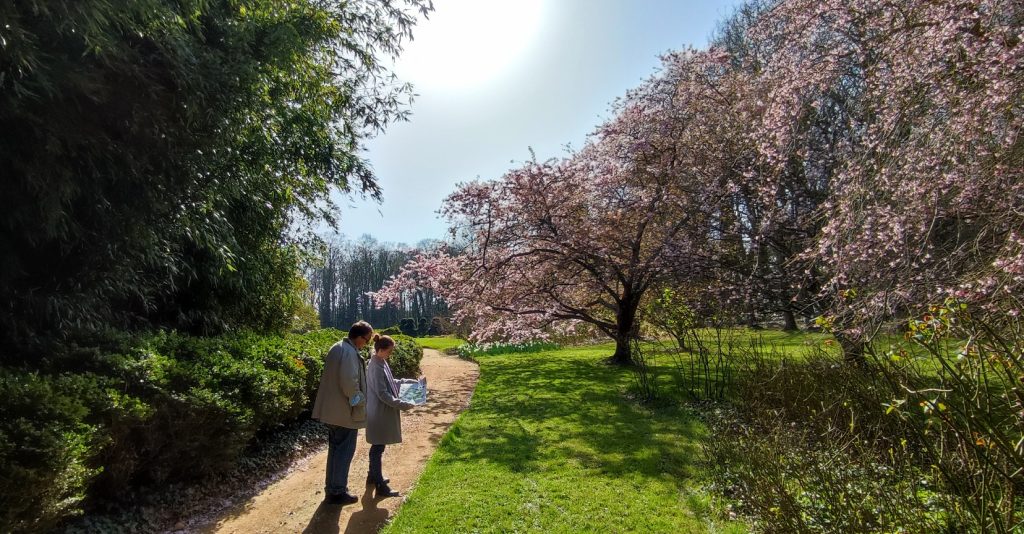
(339,288)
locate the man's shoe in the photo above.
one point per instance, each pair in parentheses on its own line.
(370,481)
(383,490)
(341,498)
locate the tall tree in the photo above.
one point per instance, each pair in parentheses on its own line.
(158,155)
(580,240)
(928,191)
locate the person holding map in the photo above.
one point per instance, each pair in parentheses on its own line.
(341,405)
(383,411)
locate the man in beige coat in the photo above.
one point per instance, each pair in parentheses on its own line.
(341,405)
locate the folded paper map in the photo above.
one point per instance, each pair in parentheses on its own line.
(416,392)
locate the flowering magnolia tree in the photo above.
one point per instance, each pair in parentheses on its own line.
(928,196)
(554,245)
(580,240)
(861,158)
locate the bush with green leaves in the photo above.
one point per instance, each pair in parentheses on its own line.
(98,422)
(409,326)
(440,326)
(46,449)
(923,437)
(405,359)
(806,446)
(390,331)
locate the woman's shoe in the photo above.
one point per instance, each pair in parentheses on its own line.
(383,490)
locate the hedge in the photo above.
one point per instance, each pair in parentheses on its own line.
(406,358)
(85,424)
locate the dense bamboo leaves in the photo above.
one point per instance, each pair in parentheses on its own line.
(162,159)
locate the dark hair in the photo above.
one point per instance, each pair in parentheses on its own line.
(382,342)
(360,329)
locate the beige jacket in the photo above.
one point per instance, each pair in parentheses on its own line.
(384,420)
(343,377)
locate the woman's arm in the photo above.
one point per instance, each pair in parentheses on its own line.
(383,391)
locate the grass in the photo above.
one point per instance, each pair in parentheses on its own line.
(441,343)
(552,443)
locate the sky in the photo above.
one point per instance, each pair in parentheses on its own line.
(495,78)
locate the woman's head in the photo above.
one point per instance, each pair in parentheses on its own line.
(383,344)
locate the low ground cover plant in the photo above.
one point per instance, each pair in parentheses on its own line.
(472,350)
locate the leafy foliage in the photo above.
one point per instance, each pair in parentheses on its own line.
(405,359)
(409,325)
(102,420)
(157,155)
(46,467)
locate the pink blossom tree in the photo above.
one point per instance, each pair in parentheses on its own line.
(928,195)
(864,152)
(583,239)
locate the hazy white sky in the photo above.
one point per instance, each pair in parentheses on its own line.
(496,77)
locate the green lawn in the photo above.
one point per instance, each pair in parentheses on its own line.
(440,343)
(552,444)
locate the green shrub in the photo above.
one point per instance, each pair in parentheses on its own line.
(423,326)
(807,446)
(305,318)
(406,358)
(45,450)
(409,326)
(390,331)
(924,435)
(439,326)
(99,422)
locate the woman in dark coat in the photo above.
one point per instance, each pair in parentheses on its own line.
(383,411)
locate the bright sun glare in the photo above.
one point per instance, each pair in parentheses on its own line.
(467,43)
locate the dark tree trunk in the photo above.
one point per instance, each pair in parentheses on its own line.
(625,330)
(789,320)
(623,354)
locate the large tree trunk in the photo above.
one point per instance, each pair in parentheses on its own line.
(623,354)
(625,330)
(789,320)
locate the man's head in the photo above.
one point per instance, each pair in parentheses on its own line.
(360,334)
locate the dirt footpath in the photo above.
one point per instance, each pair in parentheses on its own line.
(295,503)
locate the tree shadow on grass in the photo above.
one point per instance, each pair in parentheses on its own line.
(533,409)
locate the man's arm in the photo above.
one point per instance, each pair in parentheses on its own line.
(349,371)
